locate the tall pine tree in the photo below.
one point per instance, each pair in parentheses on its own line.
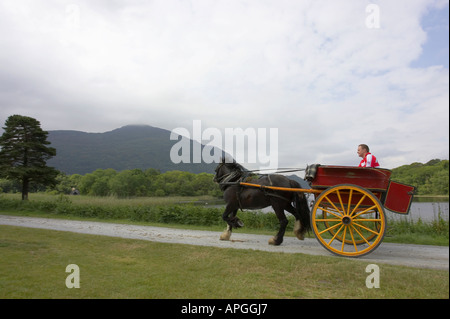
(24,153)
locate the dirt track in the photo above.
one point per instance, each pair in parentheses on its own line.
(422,256)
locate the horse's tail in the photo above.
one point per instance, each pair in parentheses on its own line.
(302,208)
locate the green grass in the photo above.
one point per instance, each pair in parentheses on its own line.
(33,263)
(106,201)
(435,232)
(182,212)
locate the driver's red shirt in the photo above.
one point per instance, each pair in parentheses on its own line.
(369,161)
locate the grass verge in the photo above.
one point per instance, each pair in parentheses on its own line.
(33,264)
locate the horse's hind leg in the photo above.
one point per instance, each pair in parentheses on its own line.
(298,229)
(278,238)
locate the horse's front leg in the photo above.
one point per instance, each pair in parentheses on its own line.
(230,217)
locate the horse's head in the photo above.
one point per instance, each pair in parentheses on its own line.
(222,170)
(227,172)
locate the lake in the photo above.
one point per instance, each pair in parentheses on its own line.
(427,211)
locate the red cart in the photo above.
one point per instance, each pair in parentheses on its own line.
(348,216)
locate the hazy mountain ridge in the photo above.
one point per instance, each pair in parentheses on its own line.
(128,147)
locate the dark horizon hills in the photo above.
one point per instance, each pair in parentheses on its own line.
(127,147)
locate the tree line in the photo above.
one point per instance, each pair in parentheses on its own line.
(431,178)
(137,182)
(127,183)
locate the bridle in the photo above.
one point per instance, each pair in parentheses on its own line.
(226,179)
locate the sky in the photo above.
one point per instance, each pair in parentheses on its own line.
(328,75)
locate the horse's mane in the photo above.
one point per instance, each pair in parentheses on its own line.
(238,173)
(241,168)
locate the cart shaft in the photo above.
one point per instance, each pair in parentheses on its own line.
(285,189)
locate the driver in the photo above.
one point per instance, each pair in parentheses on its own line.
(368,160)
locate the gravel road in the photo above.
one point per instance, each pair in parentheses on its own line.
(421,256)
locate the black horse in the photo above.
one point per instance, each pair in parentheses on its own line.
(228,176)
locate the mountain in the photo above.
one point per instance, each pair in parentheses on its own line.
(128,147)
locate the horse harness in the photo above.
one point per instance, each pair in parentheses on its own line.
(236,177)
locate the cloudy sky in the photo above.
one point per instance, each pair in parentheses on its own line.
(327,74)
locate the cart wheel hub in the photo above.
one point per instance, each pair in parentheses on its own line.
(346,220)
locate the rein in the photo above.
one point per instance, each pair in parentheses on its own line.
(236,176)
(280,170)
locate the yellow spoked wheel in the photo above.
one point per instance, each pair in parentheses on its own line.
(348,220)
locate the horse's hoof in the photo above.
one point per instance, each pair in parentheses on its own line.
(225,235)
(300,236)
(298,230)
(274,241)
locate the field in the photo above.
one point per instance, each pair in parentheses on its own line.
(33,262)
(34,265)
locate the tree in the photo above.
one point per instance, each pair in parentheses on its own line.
(24,153)
(430,178)
(97,182)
